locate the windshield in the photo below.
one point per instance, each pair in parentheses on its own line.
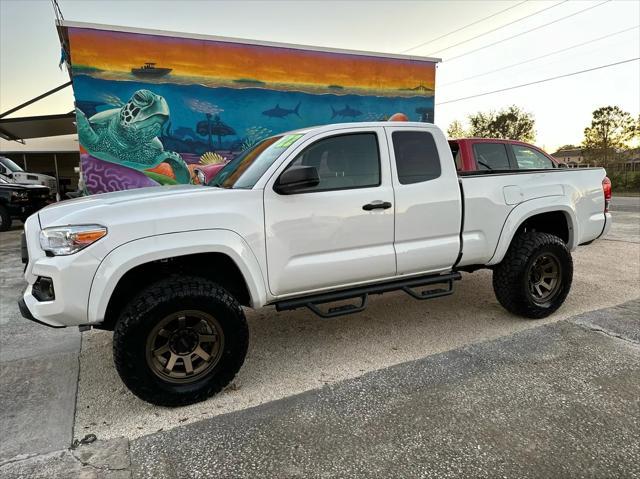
(10,164)
(245,170)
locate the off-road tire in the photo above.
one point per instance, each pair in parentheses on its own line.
(155,302)
(5,219)
(511,277)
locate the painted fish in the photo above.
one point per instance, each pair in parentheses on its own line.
(345,112)
(278,112)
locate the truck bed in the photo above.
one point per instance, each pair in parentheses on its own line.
(492,199)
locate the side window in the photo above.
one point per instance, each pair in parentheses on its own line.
(344,161)
(530,159)
(491,156)
(416,155)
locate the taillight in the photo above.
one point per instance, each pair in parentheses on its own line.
(606,189)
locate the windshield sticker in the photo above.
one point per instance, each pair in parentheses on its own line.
(287,141)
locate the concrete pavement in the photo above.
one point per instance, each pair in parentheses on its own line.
(626,219)
(560,400)
(38,370)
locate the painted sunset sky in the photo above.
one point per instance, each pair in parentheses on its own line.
(227,63)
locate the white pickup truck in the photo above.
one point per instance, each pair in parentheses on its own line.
(304,219)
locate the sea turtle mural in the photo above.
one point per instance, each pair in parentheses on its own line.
(128,136)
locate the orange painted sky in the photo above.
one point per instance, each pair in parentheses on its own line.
(118,51)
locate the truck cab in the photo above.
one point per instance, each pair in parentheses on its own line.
(15,174)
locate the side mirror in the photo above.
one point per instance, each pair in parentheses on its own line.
(296,179)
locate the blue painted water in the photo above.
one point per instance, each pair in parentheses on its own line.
(242,109)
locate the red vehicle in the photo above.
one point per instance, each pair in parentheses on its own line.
(477,154)
(496,155)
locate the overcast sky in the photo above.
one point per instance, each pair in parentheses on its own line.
(29,49)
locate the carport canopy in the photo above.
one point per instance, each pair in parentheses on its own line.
(37,126)
(19,129)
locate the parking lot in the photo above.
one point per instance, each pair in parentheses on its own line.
(322,365)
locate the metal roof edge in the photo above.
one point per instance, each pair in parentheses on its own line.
(196,36)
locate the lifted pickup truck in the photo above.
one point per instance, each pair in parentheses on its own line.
(305,219)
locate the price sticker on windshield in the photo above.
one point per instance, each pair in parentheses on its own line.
(287,141)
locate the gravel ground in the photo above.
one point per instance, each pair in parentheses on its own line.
(293,352)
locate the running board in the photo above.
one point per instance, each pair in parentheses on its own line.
(362,293)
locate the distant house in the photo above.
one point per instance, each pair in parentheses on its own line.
(632,160)
(573,158)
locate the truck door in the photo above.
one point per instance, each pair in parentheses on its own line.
(428,200)
(339,232)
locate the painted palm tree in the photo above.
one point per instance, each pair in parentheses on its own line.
(214,127)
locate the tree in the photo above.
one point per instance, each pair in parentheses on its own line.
(511,123)
(611,129)
(456,130)
(568,147)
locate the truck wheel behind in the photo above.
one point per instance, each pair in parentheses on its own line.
(535,276)
(180,341)
(5,219)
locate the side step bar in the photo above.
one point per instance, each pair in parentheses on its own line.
(362,292)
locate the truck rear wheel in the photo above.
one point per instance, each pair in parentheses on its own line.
(535,276)
(180,341)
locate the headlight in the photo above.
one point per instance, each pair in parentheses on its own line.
(65,240)
(19,195)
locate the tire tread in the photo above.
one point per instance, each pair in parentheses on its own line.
(177,287)
(508,275)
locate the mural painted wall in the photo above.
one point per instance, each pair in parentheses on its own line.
(150,108)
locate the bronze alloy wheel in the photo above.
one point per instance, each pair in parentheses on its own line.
(184,346)
(545,278)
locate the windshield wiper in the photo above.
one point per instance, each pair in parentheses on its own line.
(480,162)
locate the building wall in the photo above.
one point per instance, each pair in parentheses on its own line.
(208,100)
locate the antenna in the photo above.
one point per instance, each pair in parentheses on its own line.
(56,10)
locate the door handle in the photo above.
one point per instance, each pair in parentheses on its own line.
(377,205)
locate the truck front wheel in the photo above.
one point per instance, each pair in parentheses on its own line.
(535,276)
(180,341)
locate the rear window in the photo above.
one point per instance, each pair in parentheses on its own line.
(416,155)
(530,159)
(491,156)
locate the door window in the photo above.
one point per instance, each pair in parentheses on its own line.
(416,155)
(491,156)
(530,159)
(343,161)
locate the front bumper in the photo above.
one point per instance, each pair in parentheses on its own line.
(18,209)
(24,310)
(71,276)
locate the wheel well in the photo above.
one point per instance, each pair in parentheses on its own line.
(217,267)
(553,222)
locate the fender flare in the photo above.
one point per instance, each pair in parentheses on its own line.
(152,248)
(525,210)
